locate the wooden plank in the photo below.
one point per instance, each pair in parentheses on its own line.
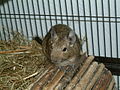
(86,78)
(80,73)
(44,79)
(96,76)
(54,82)
(70,72)
(103,81)
(111,85)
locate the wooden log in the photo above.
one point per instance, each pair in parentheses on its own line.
(86,78)
(91,76)
(104,80)
(44,79)
(96,76)
(111,85)
(68,75)
(54,82)
(80,73)
(66,79)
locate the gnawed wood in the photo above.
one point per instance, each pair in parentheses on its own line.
(54,82)
(66,78)
(104,80)
(90,76)
(111,85)
(44,79)
(96,76)
(86,78)
(80,73)
(69,75)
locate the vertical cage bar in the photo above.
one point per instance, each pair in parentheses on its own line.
(103,27)
(97,27)
(36,29)
(45,16)
(79,19)
(85,26)
(66,9)
(115,4)
(2,27)
(38,7)
(110,28)
(60,11)
(14,15)
(19,17)
(91,27)
(10,32)
(49,12)
(55,11)
(23,8)
(116,28)
(31,28)
(118,83)
(6,21)
(72,14)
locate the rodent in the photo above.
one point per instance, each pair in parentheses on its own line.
(61,45)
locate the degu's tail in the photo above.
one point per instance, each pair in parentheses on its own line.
(38,39)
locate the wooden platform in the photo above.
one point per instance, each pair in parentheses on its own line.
(90,76)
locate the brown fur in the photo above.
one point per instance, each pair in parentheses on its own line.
(53,48)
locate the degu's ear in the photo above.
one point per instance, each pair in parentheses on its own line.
(72,37)
(53,34)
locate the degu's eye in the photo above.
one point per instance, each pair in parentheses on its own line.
(64,49)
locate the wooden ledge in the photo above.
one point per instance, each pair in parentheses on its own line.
(91,76)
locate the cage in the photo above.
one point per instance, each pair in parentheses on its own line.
(96,20)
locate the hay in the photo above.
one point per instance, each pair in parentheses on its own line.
(18,71)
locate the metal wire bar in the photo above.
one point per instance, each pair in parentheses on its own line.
(79,23)
(55,10)
(31,28)
(85,26)
(110,28)
(116,29)
(45,16)
(49,12)
(64,15)
(91,28)
(38,7)
(18,9)
(23,8)
(118,82)
(82,19)
(98,39)
(60,11)
(66,9)
(103,28)
(6,21)
(2,38)
(13,7)
(36,29)
(11,23)
(72,15)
